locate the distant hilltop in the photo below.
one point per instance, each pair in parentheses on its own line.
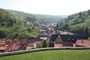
(16,24)
(78,23)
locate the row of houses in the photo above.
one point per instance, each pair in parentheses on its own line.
(9,45)
(58,40)
(65,39)
(22,44)
(55,40)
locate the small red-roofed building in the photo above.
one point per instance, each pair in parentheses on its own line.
(82,43)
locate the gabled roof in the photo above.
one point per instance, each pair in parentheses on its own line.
(58,39)
(68,38)
(53,37)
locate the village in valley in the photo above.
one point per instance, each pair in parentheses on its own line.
(48,37)
(44,29)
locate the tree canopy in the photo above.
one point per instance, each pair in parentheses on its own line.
(16,24)
(76,23)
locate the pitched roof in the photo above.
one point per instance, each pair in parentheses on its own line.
(68,38)
(58,39)
(2,42)
(53,37)
(83,43)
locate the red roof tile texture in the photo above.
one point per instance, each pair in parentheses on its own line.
(84,43)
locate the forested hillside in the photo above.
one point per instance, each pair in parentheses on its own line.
(16,24)
(76,23)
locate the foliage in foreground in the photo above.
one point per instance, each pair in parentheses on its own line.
(52,55)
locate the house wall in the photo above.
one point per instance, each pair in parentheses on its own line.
(58,45)
(79,43)
(74,45)
(31,45)
(70,44)
(63,44)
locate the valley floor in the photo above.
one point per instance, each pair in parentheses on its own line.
(52,55)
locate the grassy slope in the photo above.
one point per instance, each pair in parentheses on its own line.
(52,55)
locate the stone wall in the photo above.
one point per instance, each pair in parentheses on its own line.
(43,49)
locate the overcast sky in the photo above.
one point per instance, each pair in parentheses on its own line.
(50,7)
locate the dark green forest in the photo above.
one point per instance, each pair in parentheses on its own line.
(17,24)
(78,23)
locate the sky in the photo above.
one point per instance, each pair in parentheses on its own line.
(50,7)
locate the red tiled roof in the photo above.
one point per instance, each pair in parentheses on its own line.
(85,43)
(2,42)
(2,48)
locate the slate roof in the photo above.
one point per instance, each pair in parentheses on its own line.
(68,38)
